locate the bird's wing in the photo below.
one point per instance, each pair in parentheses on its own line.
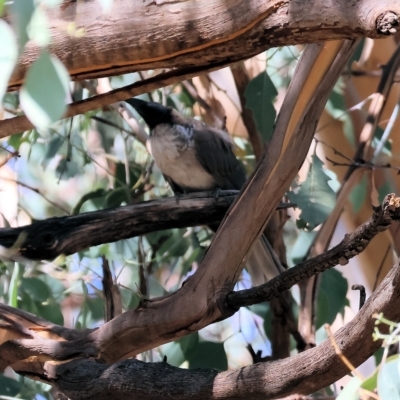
(215,154)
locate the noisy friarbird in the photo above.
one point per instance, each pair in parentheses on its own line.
(196,157)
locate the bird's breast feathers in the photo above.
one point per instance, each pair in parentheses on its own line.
(173,150)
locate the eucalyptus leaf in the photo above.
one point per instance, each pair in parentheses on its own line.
(389,379)
(43,95)
(208,355)
(8,386)
(315,197)
(331,299)
(21,14)
(351,390)
(260,94)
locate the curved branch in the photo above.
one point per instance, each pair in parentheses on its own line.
(85,379)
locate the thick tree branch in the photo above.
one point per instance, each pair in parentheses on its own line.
(85,379)
(143,35)
(45,240)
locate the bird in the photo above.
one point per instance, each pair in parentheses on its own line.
(196,157)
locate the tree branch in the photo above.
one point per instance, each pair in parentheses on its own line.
(84,379)
(32,341)
(201,33)
(47,239)
(352,245)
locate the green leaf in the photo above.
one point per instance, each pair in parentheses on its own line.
(177,351)
(260,94)
(389,379)
(88,196)
(208,355)
(315,197)
(54,285)
(52,149)
(16,140)
(50,311)
(351,390)
(116,197)
(176,245)
(21,14)
(96,307)
(9,387)
(36,289)
(331,297)
(44,92)
(371,382)
(120,175)
(67,169)
(38,28)
(8,55)
(2,2)
(14,282)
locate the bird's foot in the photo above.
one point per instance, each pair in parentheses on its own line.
(216,193)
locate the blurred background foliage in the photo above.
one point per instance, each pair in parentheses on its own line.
(92,162)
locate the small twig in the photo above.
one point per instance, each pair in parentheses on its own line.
(38,192)
(352,245)
(107,122)
(345,361)
(18,124)
(256,357)
(363,295)
(241,81)
(363,164)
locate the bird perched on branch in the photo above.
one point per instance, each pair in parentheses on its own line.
(195,157)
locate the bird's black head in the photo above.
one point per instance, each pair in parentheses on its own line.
(152,113)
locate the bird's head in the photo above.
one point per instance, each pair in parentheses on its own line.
(152,113)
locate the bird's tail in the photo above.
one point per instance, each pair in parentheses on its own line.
(262,262)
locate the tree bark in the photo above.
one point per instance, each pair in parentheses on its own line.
(45,240)
(307,372)
(150,34)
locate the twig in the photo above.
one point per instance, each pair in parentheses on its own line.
(241,81)
(38,192)
(345,361)
(352,245)
(18,124)
(363,296)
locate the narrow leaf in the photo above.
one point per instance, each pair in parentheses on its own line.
(260,94)
(44,91)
